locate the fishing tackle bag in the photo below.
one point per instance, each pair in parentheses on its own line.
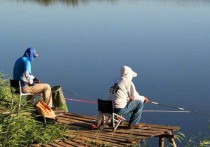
(44,110)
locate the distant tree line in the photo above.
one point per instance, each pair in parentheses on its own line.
(77,2)
(66,2)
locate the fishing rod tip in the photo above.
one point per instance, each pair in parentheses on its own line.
(153,102)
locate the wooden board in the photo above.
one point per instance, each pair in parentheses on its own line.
(81,134)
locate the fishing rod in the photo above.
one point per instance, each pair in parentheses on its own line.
(91,101)
(155,111)
(179,108)
(165,111)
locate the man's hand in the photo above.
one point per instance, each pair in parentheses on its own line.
(131,98)
(31,84)
(36,80)
(146,100)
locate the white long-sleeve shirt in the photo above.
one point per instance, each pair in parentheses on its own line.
(124,90)
(121,92)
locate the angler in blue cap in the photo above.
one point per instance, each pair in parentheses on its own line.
(29,83)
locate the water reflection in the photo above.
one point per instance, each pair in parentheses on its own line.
(77,2)
(64,2)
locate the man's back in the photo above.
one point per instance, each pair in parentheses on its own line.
(119,93)
(21,66)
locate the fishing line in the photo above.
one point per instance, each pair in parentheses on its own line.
(159,111)
(155,111)
(155,103)
(179,108)
(77,94)
(84,101)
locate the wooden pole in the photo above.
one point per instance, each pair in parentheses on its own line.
(161,141)
(172,141)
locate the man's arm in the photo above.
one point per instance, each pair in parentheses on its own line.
(134,94)
(30,78)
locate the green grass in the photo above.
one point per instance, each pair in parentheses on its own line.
(192,141)
(23,129)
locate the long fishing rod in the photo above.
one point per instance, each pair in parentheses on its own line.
(156,103)
(154,111)
(179,108)
(165,111)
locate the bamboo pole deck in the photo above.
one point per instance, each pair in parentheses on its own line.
(81,134)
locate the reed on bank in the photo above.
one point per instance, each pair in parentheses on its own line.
(24,129)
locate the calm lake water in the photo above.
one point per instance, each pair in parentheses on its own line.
(82,45)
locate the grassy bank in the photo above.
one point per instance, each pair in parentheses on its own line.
(23,129)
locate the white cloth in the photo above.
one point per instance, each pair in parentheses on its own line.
(124,89)
(29,77)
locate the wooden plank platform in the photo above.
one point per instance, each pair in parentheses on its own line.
(81,134)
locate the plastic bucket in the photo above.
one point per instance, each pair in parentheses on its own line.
(58,98)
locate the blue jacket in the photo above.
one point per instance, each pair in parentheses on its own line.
(23,65)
